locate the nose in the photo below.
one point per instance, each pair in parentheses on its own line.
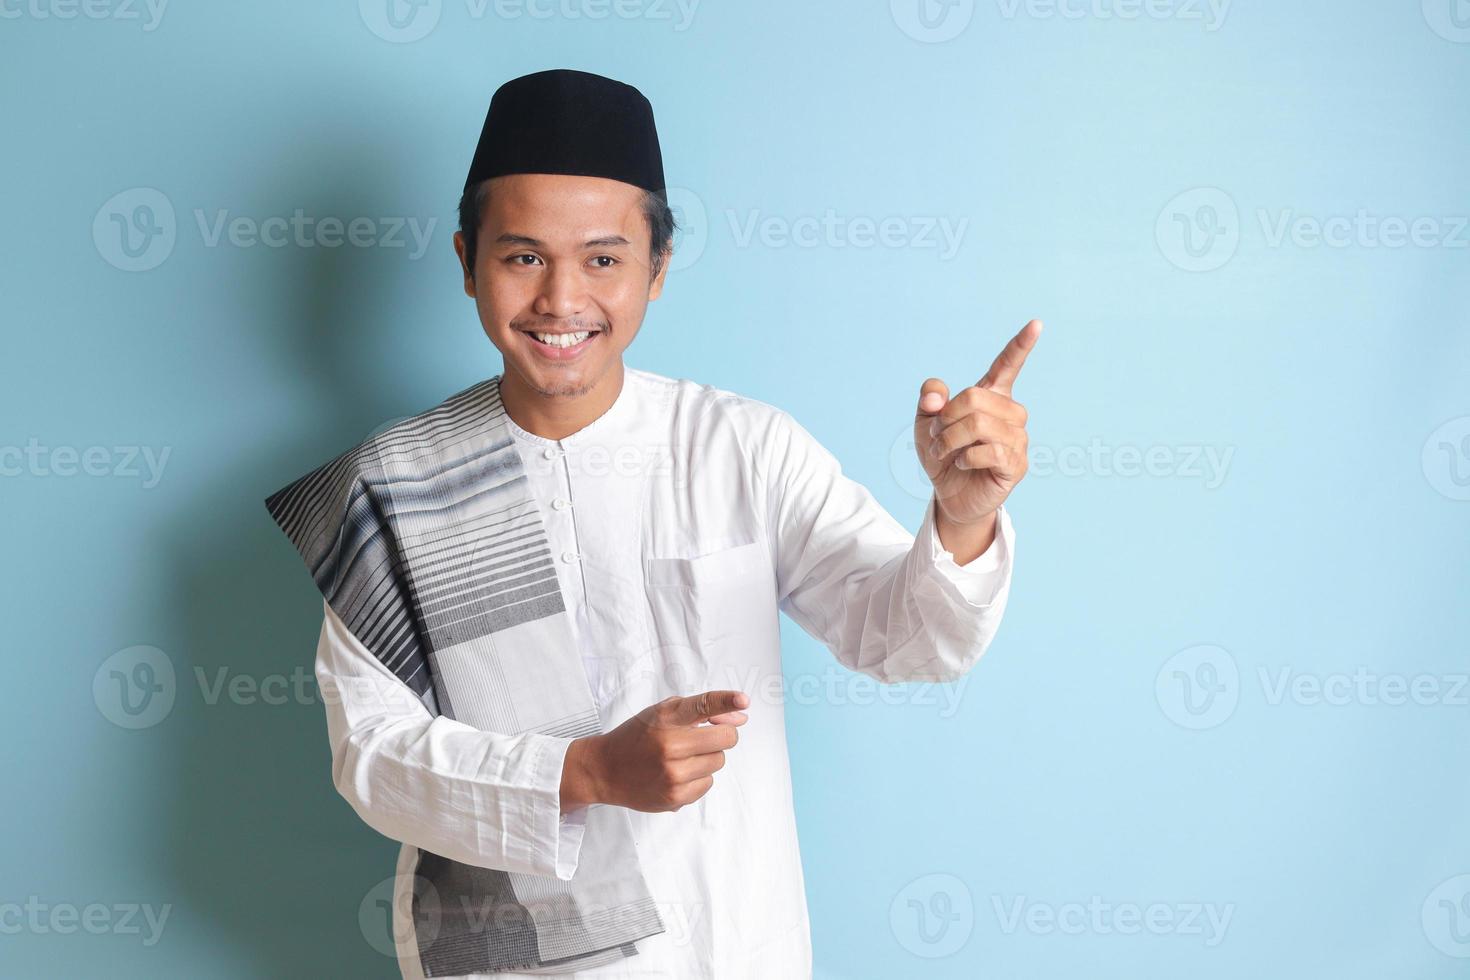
(562,292)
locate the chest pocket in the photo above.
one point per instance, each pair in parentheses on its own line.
(709,599)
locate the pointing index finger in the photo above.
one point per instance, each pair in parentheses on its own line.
(1007,364)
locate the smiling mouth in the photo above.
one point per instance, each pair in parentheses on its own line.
(560,345)
(562,338)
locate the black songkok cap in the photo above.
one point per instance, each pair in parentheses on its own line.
(569,122)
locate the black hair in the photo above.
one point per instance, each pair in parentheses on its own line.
(656,209)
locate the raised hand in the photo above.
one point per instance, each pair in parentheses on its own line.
(661,759)
(973,446)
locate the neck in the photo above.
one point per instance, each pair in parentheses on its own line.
(558,415)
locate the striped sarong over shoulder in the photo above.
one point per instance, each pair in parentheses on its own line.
(427,542)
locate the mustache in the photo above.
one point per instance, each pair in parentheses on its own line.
(548,326)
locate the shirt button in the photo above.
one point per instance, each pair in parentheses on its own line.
(568,556)
(549,453)
(561,503)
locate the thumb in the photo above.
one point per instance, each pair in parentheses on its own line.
(933,396)
(696,708)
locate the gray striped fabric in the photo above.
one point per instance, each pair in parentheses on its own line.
(426,541)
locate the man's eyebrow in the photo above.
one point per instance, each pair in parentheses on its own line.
(607,241)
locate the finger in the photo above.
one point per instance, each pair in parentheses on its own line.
(1007,364)
(932,397)
(975,427)
(999,458)
(694,709)
(690,792)
(976,399)
(730,718)
(701,740)
(697,767)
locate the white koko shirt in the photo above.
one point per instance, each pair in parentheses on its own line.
(680,520)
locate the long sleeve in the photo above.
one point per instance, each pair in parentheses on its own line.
(481,798)
(887,603)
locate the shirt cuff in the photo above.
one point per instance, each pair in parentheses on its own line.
(977,582)
(558,835)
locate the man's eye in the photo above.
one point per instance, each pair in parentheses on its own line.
(605,261)
(530,259)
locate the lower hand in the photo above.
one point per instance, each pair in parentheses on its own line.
(661,759)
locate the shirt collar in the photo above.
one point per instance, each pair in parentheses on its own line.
(600,428)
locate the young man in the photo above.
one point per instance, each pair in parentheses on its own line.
(551,602)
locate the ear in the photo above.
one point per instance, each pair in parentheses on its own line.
(469,275)
(656,287)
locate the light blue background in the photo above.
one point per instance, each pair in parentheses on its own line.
(1333,542)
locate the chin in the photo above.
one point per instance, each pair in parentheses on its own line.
(568,380)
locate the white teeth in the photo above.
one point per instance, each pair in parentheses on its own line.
(562,339)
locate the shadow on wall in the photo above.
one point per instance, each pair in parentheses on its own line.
(268,858)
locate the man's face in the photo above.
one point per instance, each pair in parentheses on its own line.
(564,255)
